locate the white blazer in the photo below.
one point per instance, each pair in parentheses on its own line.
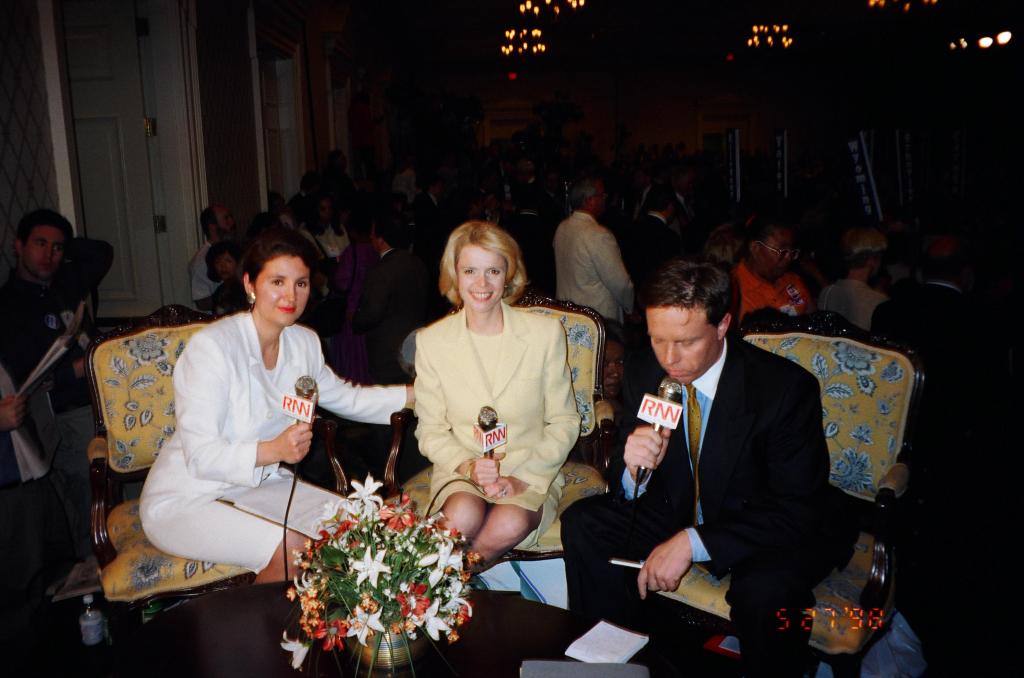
(226,402)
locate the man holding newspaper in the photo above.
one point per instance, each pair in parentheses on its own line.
(43,340)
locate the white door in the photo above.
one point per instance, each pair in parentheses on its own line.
(110,139)
(280,124)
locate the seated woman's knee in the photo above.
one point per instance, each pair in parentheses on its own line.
(465,512)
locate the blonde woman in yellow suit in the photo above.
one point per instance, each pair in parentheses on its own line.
(491,354)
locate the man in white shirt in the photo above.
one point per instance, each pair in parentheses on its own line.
(218,224)
(588,265)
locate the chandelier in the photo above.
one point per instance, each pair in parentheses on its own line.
(523,41)
(538,8)
(774,35)
(905,5)
(984,42)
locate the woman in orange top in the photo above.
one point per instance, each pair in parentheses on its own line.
(762,279)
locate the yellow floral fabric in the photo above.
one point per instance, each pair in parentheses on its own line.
(581,336)
(865,398)
(141,570)
(134,380)
(840,625)
(581,481)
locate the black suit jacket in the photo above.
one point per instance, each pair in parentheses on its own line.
(392,305)
(764,465)
(649,243)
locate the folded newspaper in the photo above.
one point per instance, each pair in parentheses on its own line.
(269,501)
(57,349)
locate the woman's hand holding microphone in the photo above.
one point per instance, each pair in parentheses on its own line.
(291,445)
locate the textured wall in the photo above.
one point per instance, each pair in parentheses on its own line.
(27,179)
(229,125)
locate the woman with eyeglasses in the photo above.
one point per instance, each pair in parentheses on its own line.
(763,278)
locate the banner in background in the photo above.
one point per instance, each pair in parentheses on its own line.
(863,177)
(782,162)
(732,145)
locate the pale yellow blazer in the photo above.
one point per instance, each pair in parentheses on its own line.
(532,394)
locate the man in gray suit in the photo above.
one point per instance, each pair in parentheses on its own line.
(393,302)
(588,264)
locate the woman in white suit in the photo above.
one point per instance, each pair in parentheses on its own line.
(489,354)
(231,430)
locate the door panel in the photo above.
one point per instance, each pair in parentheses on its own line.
(107,107)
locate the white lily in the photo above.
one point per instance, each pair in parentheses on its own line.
(297,649)
(370,567)
(360,624)
(365,491)
(435,576)
(427,560)
(431,623)
(329,511)
(456,604)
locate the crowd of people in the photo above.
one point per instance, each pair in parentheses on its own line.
(374,267)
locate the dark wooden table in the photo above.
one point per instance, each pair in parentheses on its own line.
(238,633)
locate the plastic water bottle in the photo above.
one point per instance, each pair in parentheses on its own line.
(91,622)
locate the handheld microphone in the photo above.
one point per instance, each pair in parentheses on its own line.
(302,406)
(663,411)
(488,431)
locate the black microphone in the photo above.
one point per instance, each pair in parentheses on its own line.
(305,388)
(486,421)
(669,389)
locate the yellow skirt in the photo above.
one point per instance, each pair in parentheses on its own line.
(529,500)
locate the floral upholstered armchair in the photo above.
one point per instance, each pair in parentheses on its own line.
(870,392)
(584,331)
(130,371)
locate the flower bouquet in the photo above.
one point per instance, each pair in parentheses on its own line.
(379,577)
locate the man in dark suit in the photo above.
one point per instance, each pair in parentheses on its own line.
(762,511)
(965,408)
(650,241)
(393,303)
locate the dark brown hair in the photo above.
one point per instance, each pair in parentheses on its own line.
(273,243)
(689,284)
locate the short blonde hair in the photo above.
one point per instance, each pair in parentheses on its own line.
(492,238)
(861,243)
(724,245)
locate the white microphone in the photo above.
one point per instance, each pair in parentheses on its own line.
(663,411)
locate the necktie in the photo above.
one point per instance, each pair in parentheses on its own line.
(693,436)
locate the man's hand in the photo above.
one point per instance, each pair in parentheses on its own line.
(645,448)
(665,567)
(12,412)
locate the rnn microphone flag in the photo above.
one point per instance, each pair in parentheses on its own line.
(655,410)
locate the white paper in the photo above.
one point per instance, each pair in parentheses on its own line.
(606,643)
(270,499)
(54,353)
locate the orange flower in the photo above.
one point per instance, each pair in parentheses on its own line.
(291,594)
(453,635)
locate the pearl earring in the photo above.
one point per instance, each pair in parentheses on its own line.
(251,298)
